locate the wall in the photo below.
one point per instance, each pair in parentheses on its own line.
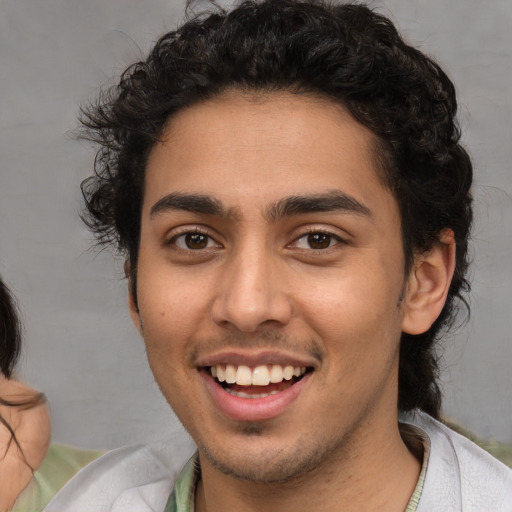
(81,348)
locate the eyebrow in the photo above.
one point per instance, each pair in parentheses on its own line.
(195,203)
(333,201)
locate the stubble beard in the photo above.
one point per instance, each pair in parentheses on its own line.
(290,465)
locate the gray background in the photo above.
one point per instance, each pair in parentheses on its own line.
(81,348)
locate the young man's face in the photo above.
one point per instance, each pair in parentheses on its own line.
(269,246)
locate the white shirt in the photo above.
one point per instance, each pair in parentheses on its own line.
(460,476)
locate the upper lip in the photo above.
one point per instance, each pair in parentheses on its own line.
(255,358)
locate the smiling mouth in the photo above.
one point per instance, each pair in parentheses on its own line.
(256,382)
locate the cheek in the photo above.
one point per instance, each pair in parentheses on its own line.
(358,320)
(357,302)
(170,307)
(35,443)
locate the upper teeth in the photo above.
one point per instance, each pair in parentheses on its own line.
(259,376)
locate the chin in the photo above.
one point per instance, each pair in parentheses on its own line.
(268,466)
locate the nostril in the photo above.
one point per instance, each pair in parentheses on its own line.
(250,317)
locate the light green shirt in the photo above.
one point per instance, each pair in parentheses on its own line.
(59,465)
(182,497)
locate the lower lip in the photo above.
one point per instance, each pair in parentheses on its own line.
(253,409)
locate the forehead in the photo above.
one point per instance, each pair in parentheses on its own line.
(264,146)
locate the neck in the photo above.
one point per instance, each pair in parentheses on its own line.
(373,473)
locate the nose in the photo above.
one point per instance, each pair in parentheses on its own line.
(252,293)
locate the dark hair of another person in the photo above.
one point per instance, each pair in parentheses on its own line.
(10,348)
(346,53)
(10,332)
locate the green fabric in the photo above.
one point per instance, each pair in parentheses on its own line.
(502,451)
(419,445)
(416,495)
(183,495)
(59,465)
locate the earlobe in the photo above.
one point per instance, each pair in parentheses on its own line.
(428,285)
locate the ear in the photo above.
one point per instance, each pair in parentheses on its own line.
(428,284)
(132,302)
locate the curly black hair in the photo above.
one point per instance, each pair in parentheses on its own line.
(346,53)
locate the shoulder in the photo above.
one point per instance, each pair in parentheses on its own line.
(130,478)
(59,465)
(66,459)
(460,475)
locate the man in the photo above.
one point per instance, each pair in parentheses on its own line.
(287,184)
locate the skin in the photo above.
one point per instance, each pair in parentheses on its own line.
(32,428)
(259,285)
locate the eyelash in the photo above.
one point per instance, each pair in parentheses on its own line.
(333,240)
(184,232)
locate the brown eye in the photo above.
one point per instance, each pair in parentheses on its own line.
(194,241)
(319,240)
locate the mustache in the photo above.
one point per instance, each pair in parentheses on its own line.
(265,339)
